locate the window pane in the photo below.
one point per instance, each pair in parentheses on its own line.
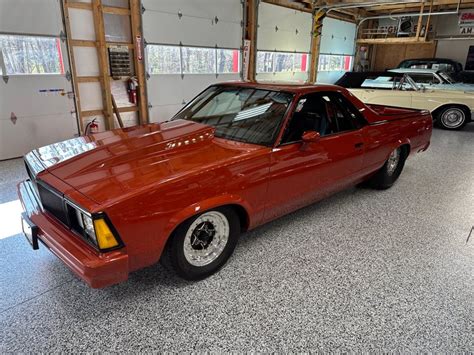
(301,62)
(31,55)
(328,62)
(265,62)
(163,59)
(199,60)
(228,61)
(284,62)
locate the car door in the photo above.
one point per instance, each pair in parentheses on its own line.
(302,173)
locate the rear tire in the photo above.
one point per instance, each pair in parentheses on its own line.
(201,245)
(452,118)
(390,171)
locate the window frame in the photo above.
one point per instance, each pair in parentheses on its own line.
(61,62)
(181,61)
(297,99)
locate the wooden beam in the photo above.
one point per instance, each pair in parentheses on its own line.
(103,62)
(72,65)
(251,8)
(139,59)
(420,21)
(397,40)
(116,10)
(89,113)
(315,45)
(78,5)
(87,79)
(83,43)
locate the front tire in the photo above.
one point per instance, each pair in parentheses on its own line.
(201,245)
(390,171)
(452,118)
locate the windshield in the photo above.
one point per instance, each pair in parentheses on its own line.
(242,114)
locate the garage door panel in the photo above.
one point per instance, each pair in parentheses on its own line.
(32,132)
(22,16)
(166,28)
(165,89)
(23,95)
(197,8)
(337,37)
(163,112)
(283,29)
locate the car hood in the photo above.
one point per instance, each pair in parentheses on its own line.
(111,165)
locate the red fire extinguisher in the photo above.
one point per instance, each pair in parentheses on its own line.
(92,127)
(132,85)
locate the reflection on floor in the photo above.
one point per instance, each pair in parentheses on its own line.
(363,271)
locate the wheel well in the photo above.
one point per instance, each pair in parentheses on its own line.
(243,216)
(406,149)
(461,106)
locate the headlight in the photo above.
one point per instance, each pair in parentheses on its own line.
(96,229)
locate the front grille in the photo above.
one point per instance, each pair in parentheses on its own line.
(53,202)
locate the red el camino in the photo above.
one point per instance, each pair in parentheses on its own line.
(239,155)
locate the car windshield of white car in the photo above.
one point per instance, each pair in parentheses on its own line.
(240,113)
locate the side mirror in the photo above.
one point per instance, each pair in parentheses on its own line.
(308,138)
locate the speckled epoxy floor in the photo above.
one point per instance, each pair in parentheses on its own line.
(362,271)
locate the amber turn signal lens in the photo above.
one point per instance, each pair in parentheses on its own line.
(105,237)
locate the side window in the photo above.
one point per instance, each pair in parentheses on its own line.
(326,113)
(342,115)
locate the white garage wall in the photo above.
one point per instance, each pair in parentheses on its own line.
(337,39)
(197,23)
(42,117)
(452,49)
(283,30)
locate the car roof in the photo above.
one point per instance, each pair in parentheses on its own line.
(295,87)
(445,60)
(413,70)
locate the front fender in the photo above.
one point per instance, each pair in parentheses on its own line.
(201,206)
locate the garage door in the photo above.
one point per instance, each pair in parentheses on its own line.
(336,54)
(283,43)
(189,45)
(36,102)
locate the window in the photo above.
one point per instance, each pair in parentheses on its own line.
(31,55)
(228,61)
(162,59)
(241,114)
(279,62)
(329,62)
(326,113)
(428,79)
(198,60)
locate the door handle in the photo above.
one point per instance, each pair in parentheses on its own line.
(359,145)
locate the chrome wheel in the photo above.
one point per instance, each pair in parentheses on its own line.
(206,238)
(392,162)
(453,118)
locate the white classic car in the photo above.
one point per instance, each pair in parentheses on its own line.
(451,109)
(433,79)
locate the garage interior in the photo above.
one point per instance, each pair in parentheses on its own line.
(363,270)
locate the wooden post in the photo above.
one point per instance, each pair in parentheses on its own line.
(103,63)
(315,45)
(420,20)
(72,65)
(139,59)
(251,7)
(428,22)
